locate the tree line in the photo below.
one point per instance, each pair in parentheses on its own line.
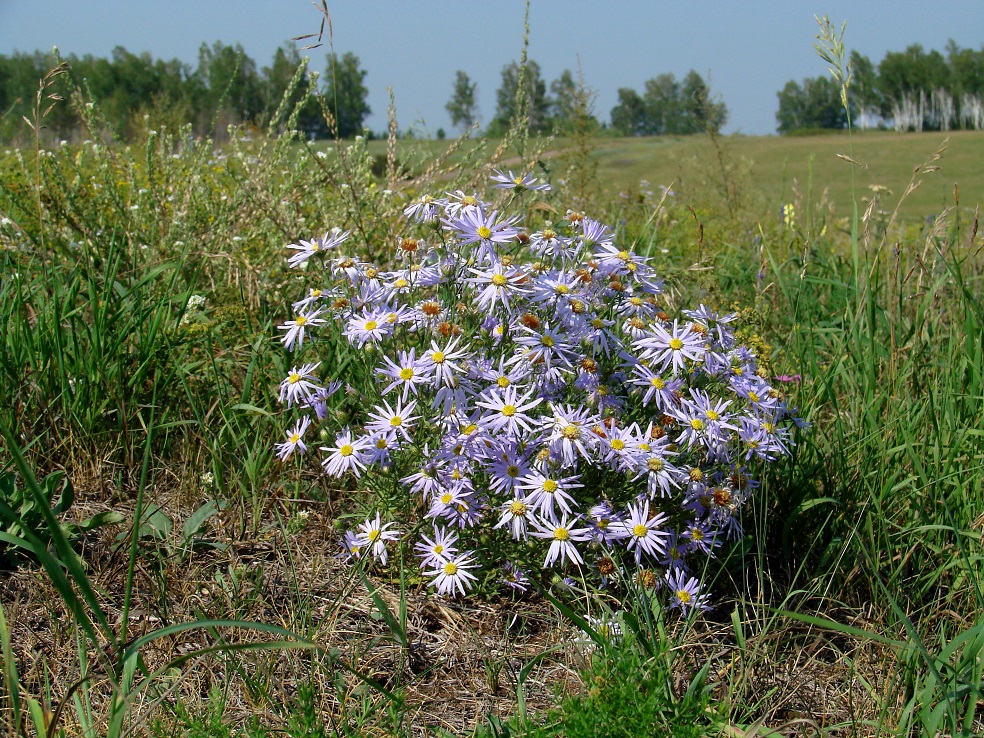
(907,90)
(225,87)
(666,106)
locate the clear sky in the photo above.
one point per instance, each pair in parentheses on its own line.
(747,50)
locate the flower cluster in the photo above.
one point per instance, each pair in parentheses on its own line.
(532,394)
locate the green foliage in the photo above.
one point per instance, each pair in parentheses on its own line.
(462,105)
(21,514)
(814,104)
(345,94)
(522,89)
(910,89)
(668,107)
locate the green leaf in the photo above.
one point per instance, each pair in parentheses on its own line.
(251,409)
(197,520)
(107,517)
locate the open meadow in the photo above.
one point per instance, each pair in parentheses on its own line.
(174,565)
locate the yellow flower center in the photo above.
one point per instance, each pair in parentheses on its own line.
(484,232)
(655,464)
(502,382)
(294,378)
(512,471)
(450,568)
(508,410)
(562,289)
(517,508)
(697,534)
(570,432)
(346,450)
(712,415)
(381,442)
(396,421)
(406,374)
(374,535)
(295,437)
(300,320)
(499,280)
(676,344)
(561,534)
(683,595)
(437,357)
(446,498)
(635,301)
(639,530)
(400,283)
(438,548)
(697,424)
(371,325)
(469,429)
(623,255)
(618,444)
(753,397)
(547,341)
(549,486)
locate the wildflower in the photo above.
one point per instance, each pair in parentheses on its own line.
(440,361)
(368,327)
(644,533)
(686,592)
(508,411)
(298,385)
(425,209)
(512,182)
(407,372)
(352,546)
(670,349)
(514,578)
(306,249)
(294,442)
(394,422)
(516,514)
(296,328)
(497,283)
(562,538)
(347,454)
(472,226)
(547,491)
(452,575)
(373,534)
(435,552)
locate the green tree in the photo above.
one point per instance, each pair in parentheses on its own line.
(227,85)
(276,80)
(462,106)
(629,116)
(346,94)
(864,86)
(906,73)
(664,112)
(699,113)
(537,104)
(814,104)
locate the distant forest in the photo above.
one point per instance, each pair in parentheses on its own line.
(908,90)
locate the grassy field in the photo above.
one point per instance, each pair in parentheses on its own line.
(164,574)
(775,170)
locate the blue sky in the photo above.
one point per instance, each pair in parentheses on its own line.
(747,50)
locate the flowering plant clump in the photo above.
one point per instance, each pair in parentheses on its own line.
(532,401)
